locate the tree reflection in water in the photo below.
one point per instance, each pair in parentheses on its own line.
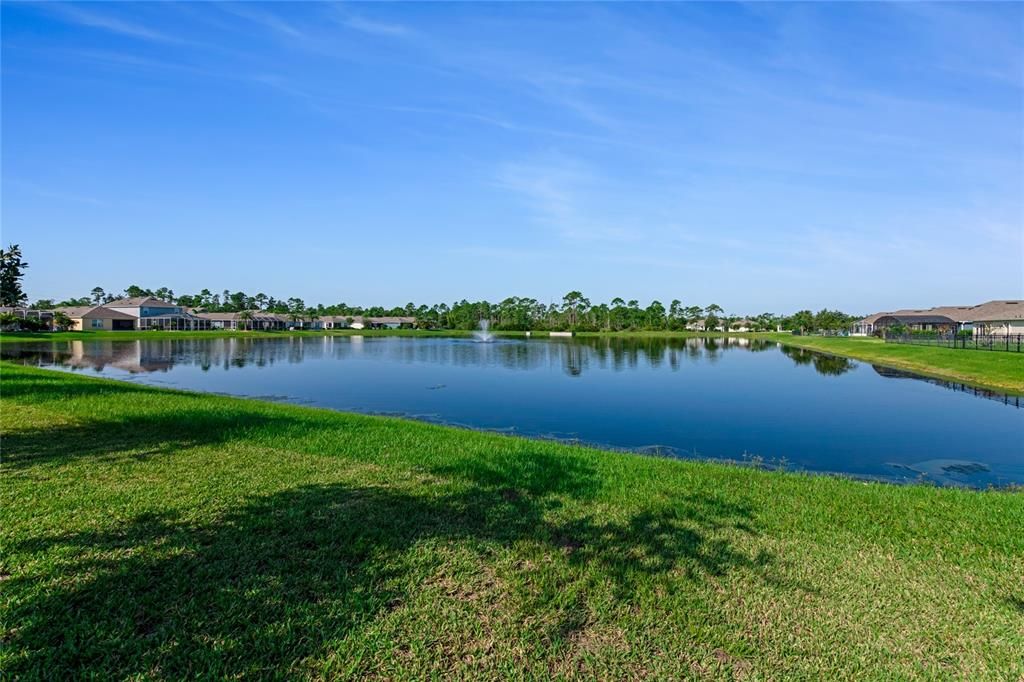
(575,356)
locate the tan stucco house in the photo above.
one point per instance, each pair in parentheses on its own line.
(98,318)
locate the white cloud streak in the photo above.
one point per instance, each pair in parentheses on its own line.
(106,22)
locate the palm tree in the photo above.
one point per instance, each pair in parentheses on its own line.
(246,317)
(61,321)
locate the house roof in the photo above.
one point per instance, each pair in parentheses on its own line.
(257,316)
(959,313)
(982,312)
(918,319)
(392,320)
(220,317)
(998,310)
(141,300)
(94,312)
(21,310)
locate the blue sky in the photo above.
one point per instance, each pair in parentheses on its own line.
(763,157)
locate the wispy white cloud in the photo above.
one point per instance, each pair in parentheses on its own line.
(107,22)
(268,20)
(566,195)
(377,28)
(498,122)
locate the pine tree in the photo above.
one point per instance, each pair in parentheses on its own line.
(12,269)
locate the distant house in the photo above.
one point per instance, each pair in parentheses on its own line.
(152,313)
(916,322)
(98,318)
(866,325)
(44,317)
(701,326)
(743,325)
(335,321)
(361,322)
(999,317)
(257,320)
(219,320)
(993,317)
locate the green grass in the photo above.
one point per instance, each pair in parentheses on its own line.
(997,370)
(159,534)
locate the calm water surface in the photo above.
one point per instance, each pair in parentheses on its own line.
(733,399)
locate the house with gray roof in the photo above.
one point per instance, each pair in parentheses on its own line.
(998,317)
(255,320)
(98,318)
(153,313)
(385,322)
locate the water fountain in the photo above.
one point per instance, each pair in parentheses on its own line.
(483,333)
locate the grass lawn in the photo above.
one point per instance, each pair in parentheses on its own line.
(997,370)
(159,534)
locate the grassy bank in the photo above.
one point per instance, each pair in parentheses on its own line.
(151,533)
(997,370)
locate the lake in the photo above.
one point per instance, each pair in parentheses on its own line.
(726,399)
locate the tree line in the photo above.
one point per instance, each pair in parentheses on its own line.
(574,312)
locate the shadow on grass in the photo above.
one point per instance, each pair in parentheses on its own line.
(294,576)
(39,387)
(138,434)
(291,576)
(137,437)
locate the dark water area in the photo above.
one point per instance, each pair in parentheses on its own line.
(726,399)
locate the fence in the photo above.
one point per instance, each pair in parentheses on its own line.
(1012,343)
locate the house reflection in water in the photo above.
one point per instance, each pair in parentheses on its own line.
(575,357)
(130,356)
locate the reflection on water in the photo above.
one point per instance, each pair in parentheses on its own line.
(736,399)
(574,356)
(832,365)
(1011,400)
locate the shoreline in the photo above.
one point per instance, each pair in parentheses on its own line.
(997,371)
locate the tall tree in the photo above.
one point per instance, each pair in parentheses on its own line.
(135,291)
(655,314)
(572,303)
(97,295)
(675,314)
(12,269)
(802,320)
